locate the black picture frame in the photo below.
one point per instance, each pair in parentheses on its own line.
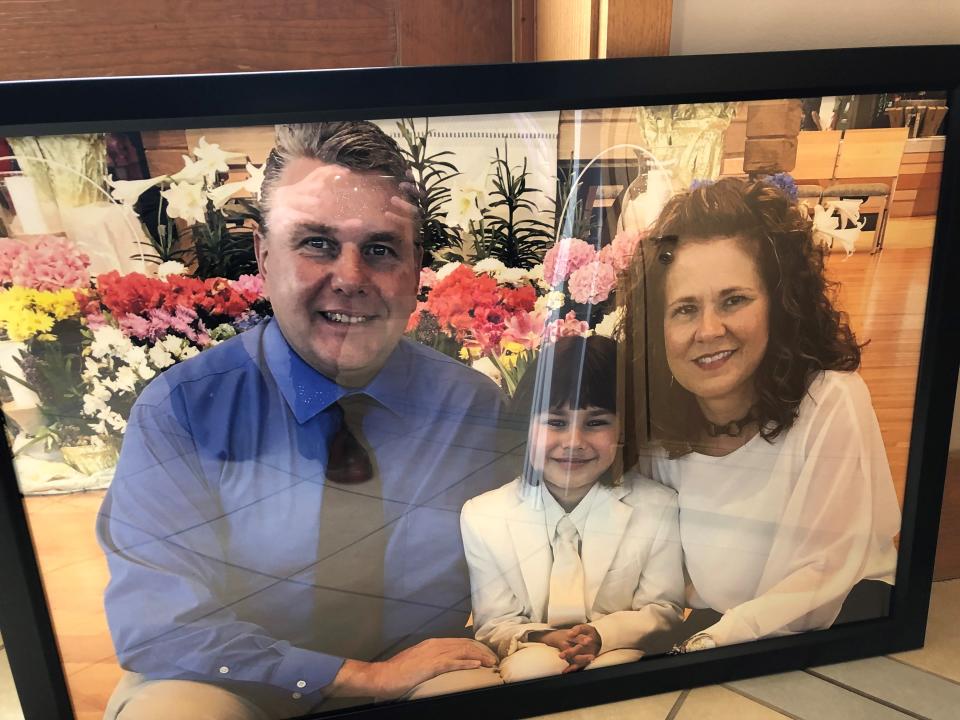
(120,104)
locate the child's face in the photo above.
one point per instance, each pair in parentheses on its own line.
(573,448)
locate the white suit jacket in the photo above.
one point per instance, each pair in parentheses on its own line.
(632,560)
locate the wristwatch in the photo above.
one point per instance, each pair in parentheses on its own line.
(700,641)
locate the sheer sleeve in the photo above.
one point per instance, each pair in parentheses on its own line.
(838,525)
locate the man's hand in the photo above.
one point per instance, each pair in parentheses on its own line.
(407,669)
(584,648)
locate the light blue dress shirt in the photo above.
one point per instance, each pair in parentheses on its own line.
(211,526)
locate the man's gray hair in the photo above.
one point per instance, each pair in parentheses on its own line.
(356,144)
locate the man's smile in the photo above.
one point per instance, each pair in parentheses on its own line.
(345,318)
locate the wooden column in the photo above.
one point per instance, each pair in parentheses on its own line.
(584,29)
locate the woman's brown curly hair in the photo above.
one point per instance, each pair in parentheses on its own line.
(807,333)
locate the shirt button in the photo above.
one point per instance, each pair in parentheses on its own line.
(224,670)
(297,696)
(301,683)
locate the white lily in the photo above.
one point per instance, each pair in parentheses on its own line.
(213,156)
(193,171)
(219,195)
(253,183)
(187,201)
(466,203)
(129,191)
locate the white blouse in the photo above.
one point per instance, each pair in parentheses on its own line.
(775,535)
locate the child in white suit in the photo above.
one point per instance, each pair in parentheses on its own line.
(572,565)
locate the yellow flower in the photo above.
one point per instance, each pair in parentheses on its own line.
(26,313)
(511,355)
(14,300)
(64,305)
(27,324)
(61,304)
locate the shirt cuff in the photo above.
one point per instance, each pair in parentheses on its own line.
(609,640)
(305,671)
(731,629)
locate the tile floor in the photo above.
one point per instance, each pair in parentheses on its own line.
(921,684)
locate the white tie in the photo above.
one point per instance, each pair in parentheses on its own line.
(566,605)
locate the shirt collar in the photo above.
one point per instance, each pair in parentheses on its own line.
(309,392)
(578,516)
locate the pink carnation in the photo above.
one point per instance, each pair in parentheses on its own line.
(621,251)
(567,255)
(10,250)
(45,262)
(250,286)
(524,328)
(592,283)
(568,326)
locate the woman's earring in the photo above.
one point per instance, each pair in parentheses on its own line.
(672,379)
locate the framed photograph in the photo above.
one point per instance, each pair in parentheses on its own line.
(488,390)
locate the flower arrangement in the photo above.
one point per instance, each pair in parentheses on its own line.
(142,325)
(199,311)
(90,351)
(217,222)
(49,323)
(486,310)
(115,371)
(497,317)
(589,276)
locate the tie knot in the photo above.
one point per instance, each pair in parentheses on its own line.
(566,530)
(348,460)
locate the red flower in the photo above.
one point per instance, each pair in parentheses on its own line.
(132,293)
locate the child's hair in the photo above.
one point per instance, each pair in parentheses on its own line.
(576,371)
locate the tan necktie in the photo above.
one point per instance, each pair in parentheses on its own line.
(353,537)
(566,606)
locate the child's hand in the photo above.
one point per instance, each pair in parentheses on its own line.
(560,639)
(585,647)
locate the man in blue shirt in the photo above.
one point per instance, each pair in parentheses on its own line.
(283,527)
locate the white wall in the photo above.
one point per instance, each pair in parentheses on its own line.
(722,26)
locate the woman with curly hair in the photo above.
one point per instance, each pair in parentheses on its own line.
(746,397)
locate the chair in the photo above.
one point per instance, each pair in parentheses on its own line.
(869,162)
(816,159)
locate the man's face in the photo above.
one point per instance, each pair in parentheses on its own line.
(340,266)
